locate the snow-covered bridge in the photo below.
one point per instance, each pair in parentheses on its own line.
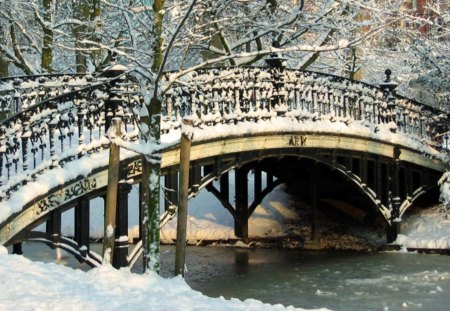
(291,125)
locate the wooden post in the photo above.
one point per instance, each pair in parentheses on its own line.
(111,192)
(185,154)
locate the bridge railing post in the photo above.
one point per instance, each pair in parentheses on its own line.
(81,114)
(26,134)
(278,64)
(115,72)
(389,87)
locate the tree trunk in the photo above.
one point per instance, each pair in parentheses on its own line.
(158,5)
(151,183)
(151,167)
(3,73)
(47,48)
(96,54)
(82,13)
(3,67)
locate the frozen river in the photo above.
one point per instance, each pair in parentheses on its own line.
(384,281)
(346,281)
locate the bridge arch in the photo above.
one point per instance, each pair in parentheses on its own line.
(338,152)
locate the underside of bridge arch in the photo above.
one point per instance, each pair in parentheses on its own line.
(333,188)
(368,188)
(423,198)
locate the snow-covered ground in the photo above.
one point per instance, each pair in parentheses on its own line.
(27,285)
(426,228)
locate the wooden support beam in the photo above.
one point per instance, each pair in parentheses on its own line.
(183,196)
(111,192)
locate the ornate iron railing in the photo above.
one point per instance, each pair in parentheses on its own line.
(57,130)
(21,92)
(230,95)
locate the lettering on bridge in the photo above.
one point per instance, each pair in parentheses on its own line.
(55,200)
(297,141)
(134,169)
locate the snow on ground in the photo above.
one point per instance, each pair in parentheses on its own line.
(426,228)
(27,285)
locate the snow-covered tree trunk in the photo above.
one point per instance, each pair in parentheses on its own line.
(151,169)
(152,165)
(4,63)
(47,45)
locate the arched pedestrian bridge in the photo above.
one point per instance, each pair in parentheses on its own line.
(292,125)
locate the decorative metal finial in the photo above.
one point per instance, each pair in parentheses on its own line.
(388,84)
(388,73)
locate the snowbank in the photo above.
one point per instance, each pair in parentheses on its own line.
(427,228)
(27,285)
(444,183)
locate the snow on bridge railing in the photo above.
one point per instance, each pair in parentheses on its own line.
(221,95)
(68,126)
(21,92)
(56,131)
